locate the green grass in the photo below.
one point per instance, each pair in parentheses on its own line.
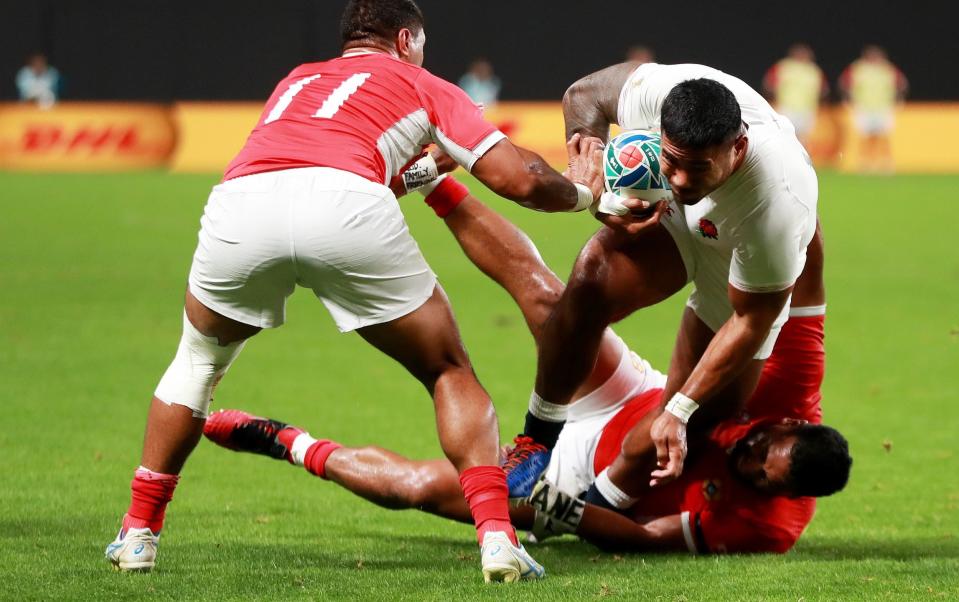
(92,272)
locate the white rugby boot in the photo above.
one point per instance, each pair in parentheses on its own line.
(134,550)
(502,561)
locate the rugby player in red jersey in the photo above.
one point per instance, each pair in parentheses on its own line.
(306,202)
(748,485)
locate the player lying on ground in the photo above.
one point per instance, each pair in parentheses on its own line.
(752,499)
(306,203)
(743,213)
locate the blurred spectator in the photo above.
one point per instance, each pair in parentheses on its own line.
(640,54)
(796,86)
(38,82)
(874,86)
(480,83)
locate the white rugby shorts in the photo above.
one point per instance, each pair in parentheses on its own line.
(325,229)
(571,465)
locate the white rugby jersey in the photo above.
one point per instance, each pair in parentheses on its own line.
(752,231)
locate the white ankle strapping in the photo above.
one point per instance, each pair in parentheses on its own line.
(302,443)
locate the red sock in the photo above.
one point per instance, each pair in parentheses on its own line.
(315,459)
(486,493)
(150,494)
(286,437)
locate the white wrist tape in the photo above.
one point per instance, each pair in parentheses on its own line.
(584,197)
(420,173)
(427,189)
(544,410)
(681,407)
(611,204)
(613,494)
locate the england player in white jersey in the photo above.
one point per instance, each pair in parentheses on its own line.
(744,210)
(752,231)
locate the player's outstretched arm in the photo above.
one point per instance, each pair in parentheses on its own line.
(523,176)
(557,512)
(591,104)
(613,532)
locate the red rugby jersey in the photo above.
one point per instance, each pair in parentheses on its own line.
(367,113)
(719,513)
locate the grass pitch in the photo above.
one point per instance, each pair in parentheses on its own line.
(92,273)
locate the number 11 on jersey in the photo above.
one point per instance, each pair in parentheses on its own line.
(330,106)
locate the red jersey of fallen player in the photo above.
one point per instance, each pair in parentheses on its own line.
(368,113)
(719,513)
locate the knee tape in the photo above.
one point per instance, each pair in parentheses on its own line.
(199,365)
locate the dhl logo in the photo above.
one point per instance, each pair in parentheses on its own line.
(53,138)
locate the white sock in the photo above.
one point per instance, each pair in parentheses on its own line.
(544,410)
(613,494)
(302,443)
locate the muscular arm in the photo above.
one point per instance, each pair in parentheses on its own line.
(613,532)
(524,177)
(734,345)
(591,104)
(720,381)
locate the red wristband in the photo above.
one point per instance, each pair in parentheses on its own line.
(446,196)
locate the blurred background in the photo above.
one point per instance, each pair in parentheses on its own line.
(199,71)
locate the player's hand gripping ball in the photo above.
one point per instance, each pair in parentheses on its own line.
(631,169)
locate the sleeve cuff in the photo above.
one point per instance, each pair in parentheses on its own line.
(688,533)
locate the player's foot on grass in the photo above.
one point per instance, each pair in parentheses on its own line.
(524,465)
(133,550)
(502,561)
(241,431)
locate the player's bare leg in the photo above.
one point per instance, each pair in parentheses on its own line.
(612,278)
(172,432)
(373,473)
(427,343)
(393,481)
(505,254)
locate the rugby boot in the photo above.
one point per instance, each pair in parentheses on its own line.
(240,431)
(134,550)
(524,465)
(502,561)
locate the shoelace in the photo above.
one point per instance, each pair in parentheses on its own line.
(524,448)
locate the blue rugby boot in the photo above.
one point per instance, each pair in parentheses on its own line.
(524,465)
